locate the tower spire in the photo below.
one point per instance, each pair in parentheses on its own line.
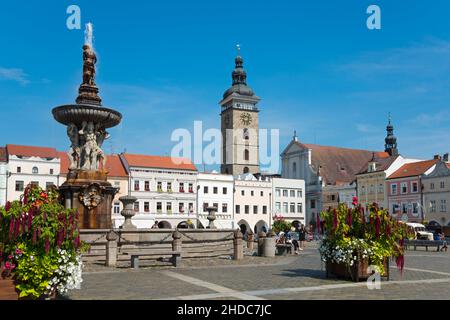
(390,145)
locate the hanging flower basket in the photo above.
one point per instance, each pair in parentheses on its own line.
(356,244)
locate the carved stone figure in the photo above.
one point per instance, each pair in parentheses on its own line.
(91,196)
(90,148)
(89,61)
(74,150)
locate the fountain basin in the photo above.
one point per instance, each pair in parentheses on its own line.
(77,113)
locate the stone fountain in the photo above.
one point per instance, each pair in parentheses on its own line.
(86,187)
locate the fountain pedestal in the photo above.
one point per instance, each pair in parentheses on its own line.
(92,195)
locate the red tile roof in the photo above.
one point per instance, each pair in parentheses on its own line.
(382,164)
(339,165)
(113,165)
(31,151)
(146,161)
(3,154)
(413,169)
(448,165)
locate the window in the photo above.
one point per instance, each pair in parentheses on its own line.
(294,169)
(299,193)
(49,185)
(292,193)
(246,154)
(380,188)
(395,208)
(146,206)
(116,184)
(224,208)
(442,185)
(313,204)
(34,183)
(136,185)
(242,192)
(246,134)
(19,185)
(238,209)
(414,187)
(191,207)
(285,207)
(363,190)
(299,208)
(205,207)
(433,205)
(443,205)
(285,193)
(169,186)
(404,208)
(181,189)
(415,207)
(262,193)
(277,207)
(191,188)
(51,171)
(34,170)
(181,207)
(159,207)
(205,189)
(224,190)
(247,209)
(116,207)
(19,169)
(159,186)
(264,209)
(246,170)
(147,185)
(393,188)
(372,189)
(252,193)
(404,187)
(216,205)
(215,190)
(333,197)
(255,209)
(169,207)
(278,192)
(432,186)
(292,208)
(136,206)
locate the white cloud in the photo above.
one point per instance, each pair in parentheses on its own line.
(14,74)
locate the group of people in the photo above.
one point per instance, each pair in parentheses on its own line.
(295,236)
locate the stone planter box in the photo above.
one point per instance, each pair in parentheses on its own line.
(356,273)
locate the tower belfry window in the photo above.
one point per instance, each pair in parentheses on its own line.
(246,155)
(246,134)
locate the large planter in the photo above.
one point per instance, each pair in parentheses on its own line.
(8,289)
(357,272)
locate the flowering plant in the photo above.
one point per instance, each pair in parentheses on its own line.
(280,224)
(352,235)
(40,245)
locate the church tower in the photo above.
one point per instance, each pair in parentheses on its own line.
(239,125)
(390,145)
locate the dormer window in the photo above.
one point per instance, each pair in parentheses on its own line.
(372,167)
(35,170)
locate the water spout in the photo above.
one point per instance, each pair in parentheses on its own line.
(88,35)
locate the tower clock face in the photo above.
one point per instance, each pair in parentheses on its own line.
(246,118)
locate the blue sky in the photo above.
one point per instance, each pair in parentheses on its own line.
(164,64)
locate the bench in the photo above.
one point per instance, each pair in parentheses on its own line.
(176,256)
(424,243)
(284,248)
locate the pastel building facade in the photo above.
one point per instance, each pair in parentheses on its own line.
(288,200)
(216,190)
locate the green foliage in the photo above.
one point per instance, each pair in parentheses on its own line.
(33,232)
(280,224)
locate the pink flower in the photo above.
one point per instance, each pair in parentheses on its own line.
(18,251)
(350,218)
(8,265)
(355,201)
(7,206)
(10,257)
(377,226)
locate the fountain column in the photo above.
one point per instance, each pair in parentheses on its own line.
(86,188)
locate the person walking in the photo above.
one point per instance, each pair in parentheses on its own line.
(302,237)
(444,242)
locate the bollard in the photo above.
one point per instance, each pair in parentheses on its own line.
(176,246)
(250,240)
(261,237)
(269,247)
(111,249)
(237,246)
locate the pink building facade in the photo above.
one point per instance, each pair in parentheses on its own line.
(405,198)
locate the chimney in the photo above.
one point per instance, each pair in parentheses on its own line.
(445,158)
(437,157)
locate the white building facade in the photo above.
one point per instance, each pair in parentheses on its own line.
(31,165)
(289,199)
(3,175)
(252,203)
(216,190)
(165,189)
